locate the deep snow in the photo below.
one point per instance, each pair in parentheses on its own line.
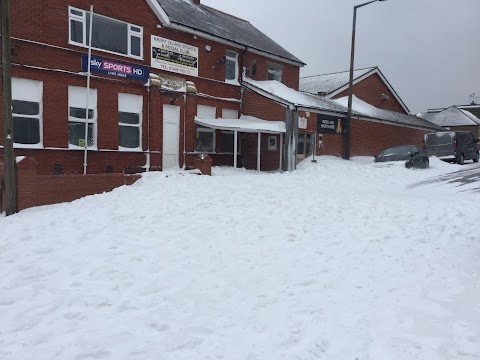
(339,260)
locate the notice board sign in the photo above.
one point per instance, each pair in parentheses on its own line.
(302,123)
(328,124)
(115,68)
(174,56)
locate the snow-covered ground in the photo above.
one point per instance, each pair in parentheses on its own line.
(339,260)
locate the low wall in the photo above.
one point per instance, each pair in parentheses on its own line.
(35,190)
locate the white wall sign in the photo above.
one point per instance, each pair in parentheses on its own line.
(174,56)
(302,123)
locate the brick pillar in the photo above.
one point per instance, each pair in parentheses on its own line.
(26,183)
(2,185)
(204,164)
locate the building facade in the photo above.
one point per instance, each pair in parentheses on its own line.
(153,70)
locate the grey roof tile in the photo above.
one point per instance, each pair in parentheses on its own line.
(452,116)
(217,23)
(328,83)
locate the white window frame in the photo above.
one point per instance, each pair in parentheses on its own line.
(206,112)
(272,147)
(206,130)
(83,19)
(77,97)
(272,68)
(235,59)
(32,91)
(131,103)
(226,113)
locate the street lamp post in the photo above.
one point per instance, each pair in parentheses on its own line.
(350,84)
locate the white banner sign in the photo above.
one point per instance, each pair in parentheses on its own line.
(302,123)
(174,56)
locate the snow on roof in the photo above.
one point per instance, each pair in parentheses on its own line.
(217,23)
(328,83)
(471,116)
(293,97)
(335,83)
(360,107)
(453,116)
(244,124)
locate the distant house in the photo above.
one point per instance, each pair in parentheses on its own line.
(455,118)
(369,85)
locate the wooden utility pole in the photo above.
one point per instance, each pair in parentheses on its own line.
(10,190)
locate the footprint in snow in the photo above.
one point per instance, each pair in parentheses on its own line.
(96,355)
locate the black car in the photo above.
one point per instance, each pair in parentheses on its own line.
(414,158)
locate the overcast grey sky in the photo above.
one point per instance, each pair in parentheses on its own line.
(429,50)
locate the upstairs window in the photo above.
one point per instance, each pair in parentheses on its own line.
(130,121)
(77,113)
(275,72)
(27,98)
(109,35)
(231,67)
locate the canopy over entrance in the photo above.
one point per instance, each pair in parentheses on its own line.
(247,124)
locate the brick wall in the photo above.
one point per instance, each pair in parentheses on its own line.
(370,138)
(370,90)
(34,189)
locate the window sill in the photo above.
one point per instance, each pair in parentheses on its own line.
(28,146)
(132,150)
(232,82)
(213,153)
(75,147)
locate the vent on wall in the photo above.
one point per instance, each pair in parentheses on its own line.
(385,97)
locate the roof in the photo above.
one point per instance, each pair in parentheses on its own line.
(334,83)
(248,124)
(216,23)
(280,93)
(361,108)
(453,116)
(328,83)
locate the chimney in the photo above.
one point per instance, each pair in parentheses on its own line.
(196,2)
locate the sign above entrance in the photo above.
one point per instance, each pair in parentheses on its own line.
(328,124)
(114,68)
(168,82)
(174,56)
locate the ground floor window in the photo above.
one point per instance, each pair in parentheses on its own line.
(130,121)
(27,96)
(305,145)
(272,143)
(205,140)
(77,117)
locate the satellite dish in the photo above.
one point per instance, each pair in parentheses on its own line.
(254,68)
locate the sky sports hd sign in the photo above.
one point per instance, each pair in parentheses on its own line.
(114,68)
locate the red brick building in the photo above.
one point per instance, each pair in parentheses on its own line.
(168,81)
(136,122)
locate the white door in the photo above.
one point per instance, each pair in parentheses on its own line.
(171,130)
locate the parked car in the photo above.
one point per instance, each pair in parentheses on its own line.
(453,146)
(414,157)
